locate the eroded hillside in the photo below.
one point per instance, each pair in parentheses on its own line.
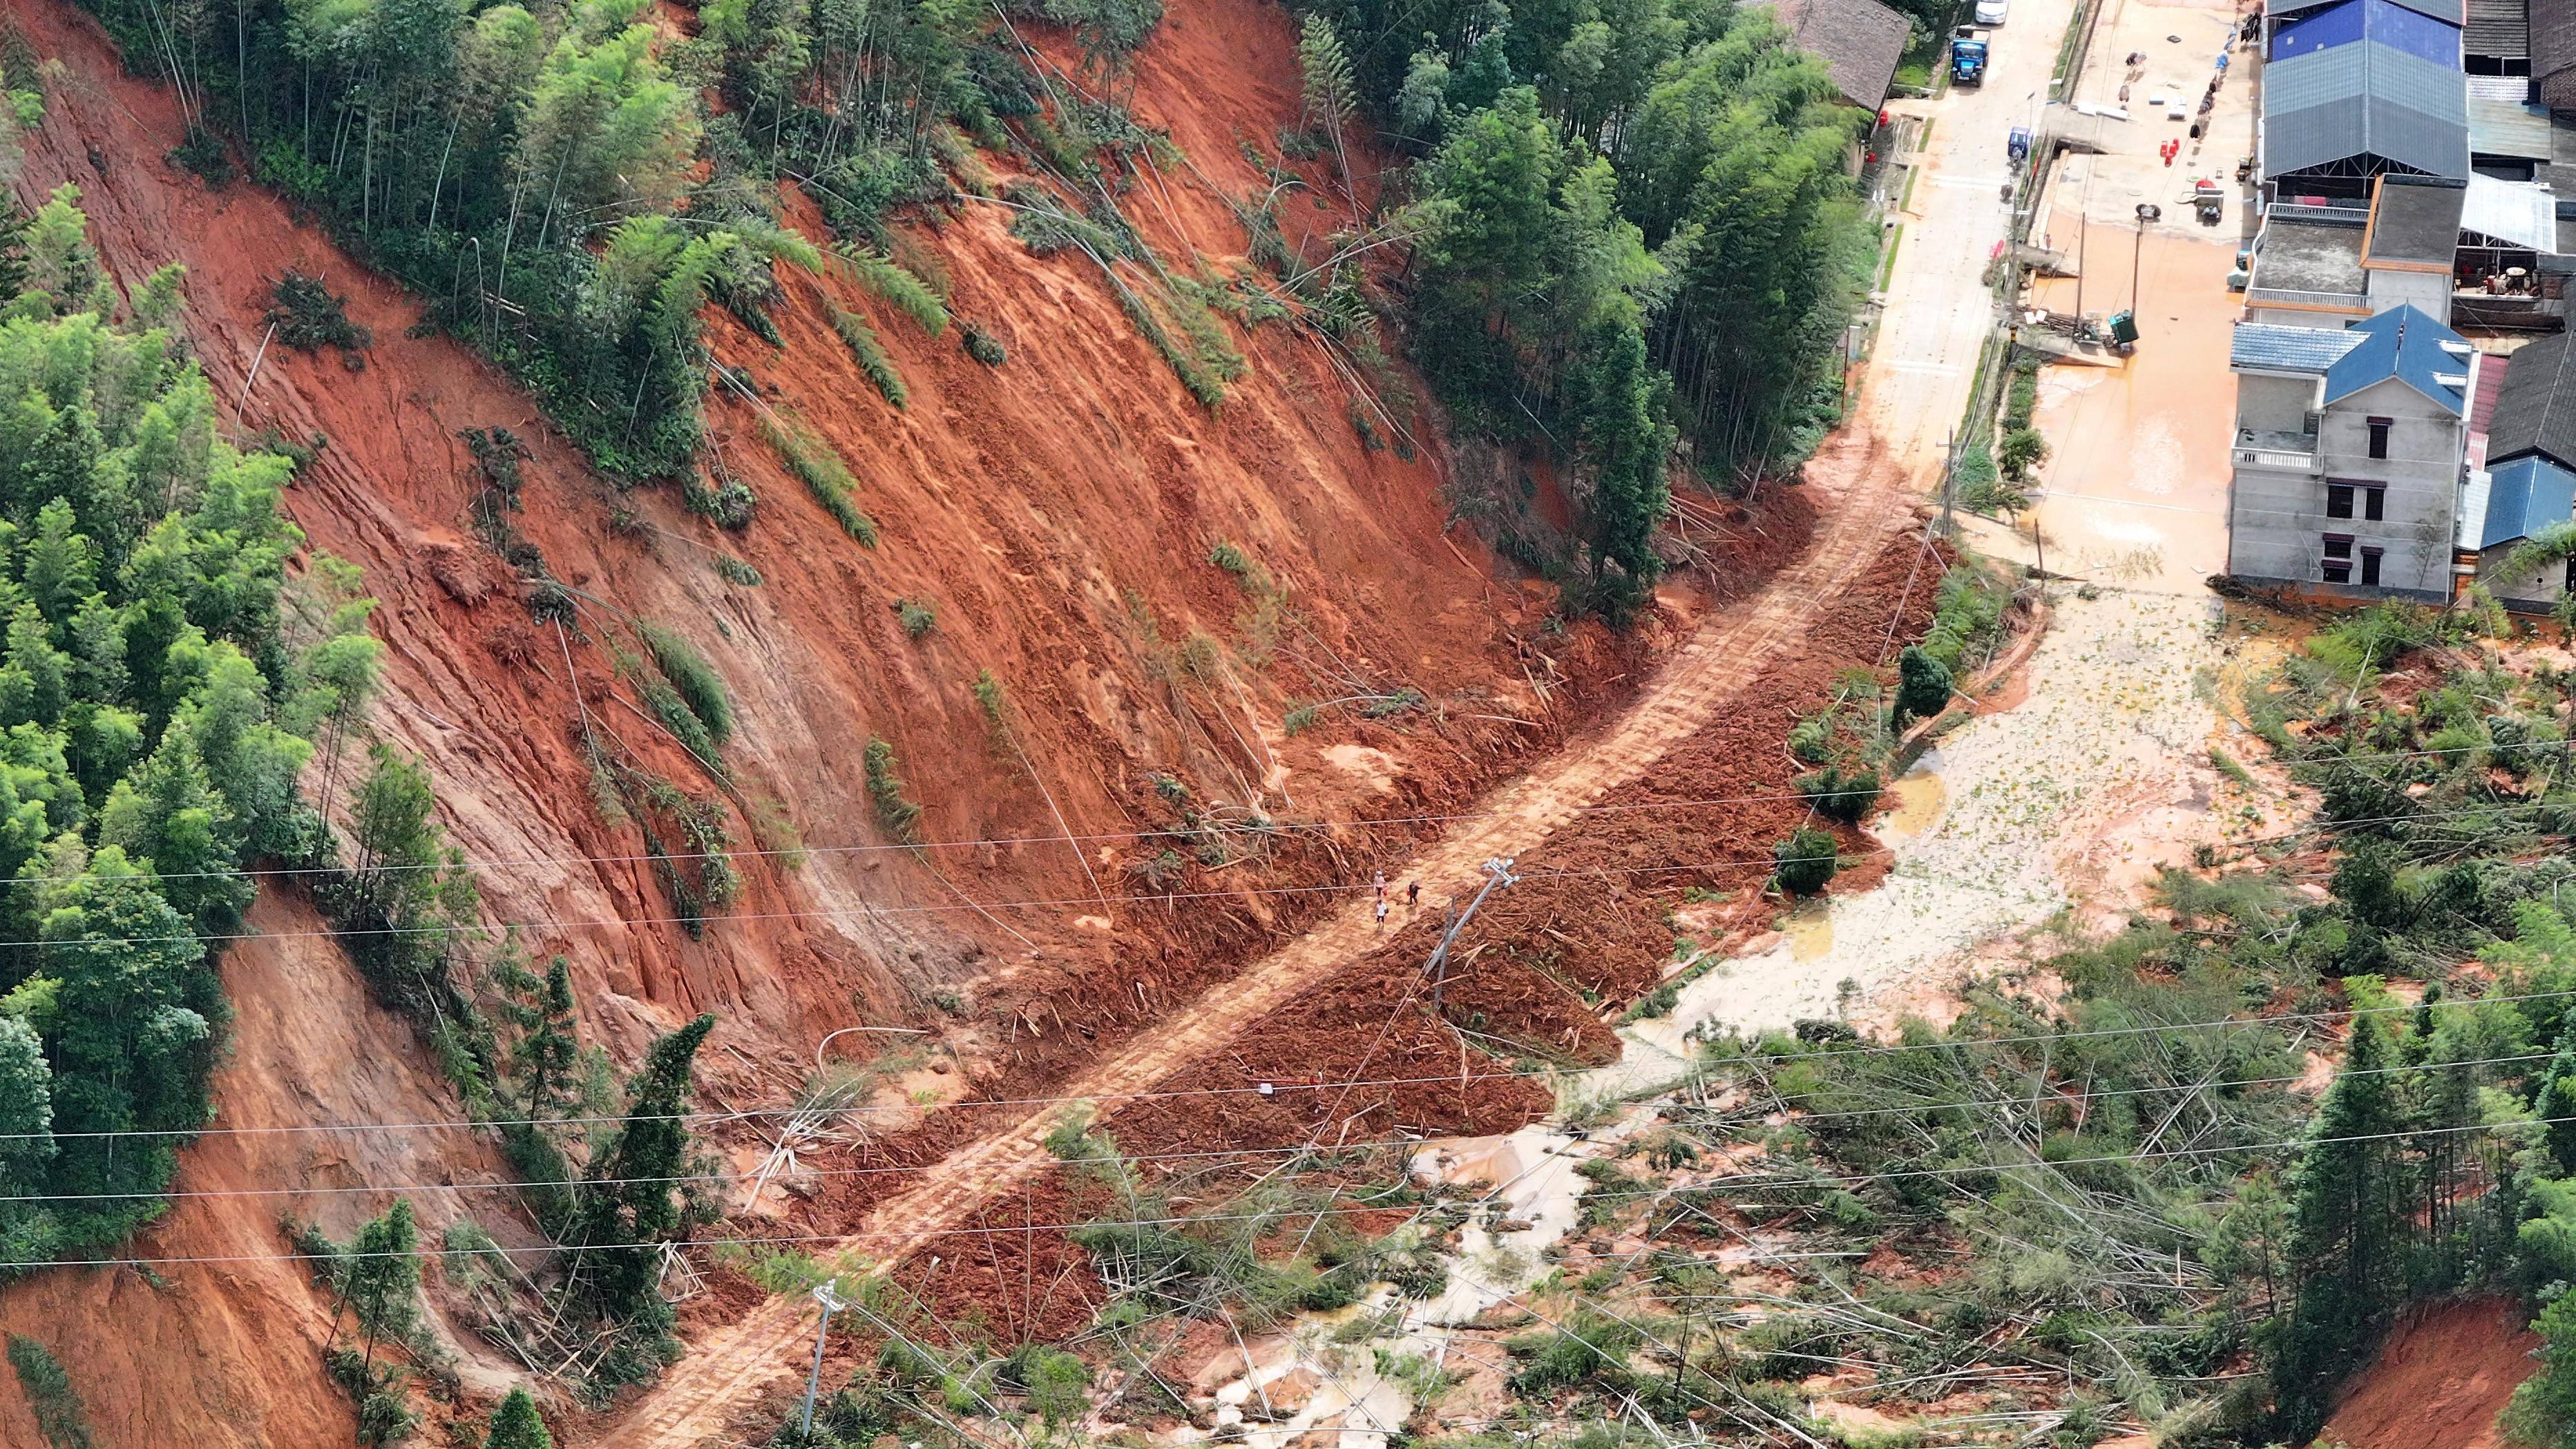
(1056,516)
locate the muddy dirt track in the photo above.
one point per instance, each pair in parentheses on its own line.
(1864,521)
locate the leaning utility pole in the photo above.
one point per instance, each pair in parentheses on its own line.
(830,1303)
(1498,872)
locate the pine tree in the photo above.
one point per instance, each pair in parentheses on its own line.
(2555,1105)
(383,1278)
(516,1424)
(543,1061)
(631,1205)
(2348,1232)
(542,1057)
(1923,684)
(1616,399)
(2365,880)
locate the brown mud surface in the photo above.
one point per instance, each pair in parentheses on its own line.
(1714,717)
(2440,1381)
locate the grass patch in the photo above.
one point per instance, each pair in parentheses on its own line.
(918,616)
(60,1415)
(871,356)
(889,280)
(895,810)
(990,698)
(2228,766)
(820,469)
(735,571)
(1896,234)
(1246,569)
(696,680)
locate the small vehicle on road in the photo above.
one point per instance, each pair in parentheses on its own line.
(1990,12)
(1967,56)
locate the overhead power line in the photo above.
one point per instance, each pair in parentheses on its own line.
(1274,1087)
(1064,903)
(1312,1146)
(991,1230)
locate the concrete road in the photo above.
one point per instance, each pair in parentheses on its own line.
(2135,490)
(1938,308)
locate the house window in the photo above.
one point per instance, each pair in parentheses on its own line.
(2338,559)
(2374,502)
(2338,500)
(2570,585)
(2379,436)
(2370,566)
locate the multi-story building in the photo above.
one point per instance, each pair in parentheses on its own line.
(2348,455)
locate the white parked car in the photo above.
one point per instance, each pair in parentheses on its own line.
(1990,12)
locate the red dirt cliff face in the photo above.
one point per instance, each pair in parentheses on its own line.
(1058,512)
(2441,1380)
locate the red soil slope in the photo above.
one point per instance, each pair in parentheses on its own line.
(2441,1381)
(227,1351)
(1058,511)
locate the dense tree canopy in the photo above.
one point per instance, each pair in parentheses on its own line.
(154,713)
(1636,231)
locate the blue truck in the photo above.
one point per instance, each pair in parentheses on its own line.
(1967,56)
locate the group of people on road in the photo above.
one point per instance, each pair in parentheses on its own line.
(1412,898)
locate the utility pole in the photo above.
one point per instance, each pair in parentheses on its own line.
(1949,474)
(2147,211)
(831,1303)
(2083,234)
(1498,872)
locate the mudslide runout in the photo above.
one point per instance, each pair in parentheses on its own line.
(1864,504)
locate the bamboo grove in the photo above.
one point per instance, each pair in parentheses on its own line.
(1638,230)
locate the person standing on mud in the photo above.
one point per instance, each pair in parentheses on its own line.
(1412,897)
(1381,898)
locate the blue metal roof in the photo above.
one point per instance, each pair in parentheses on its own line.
(2453,11)
(2525,496)
(2405,344)
(2366,98)
(2275,348)
(2391,25)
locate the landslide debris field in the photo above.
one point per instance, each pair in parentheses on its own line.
(1197,721)
(1087,607)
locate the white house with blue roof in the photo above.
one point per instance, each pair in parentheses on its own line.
(2348,454)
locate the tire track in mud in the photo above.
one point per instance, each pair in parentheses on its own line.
(1864,508)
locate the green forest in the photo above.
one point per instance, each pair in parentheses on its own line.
(161,688)
(1637,231)
(1627,236)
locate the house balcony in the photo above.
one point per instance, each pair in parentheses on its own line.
(2508,311)
(2285,452)
(2356,303)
